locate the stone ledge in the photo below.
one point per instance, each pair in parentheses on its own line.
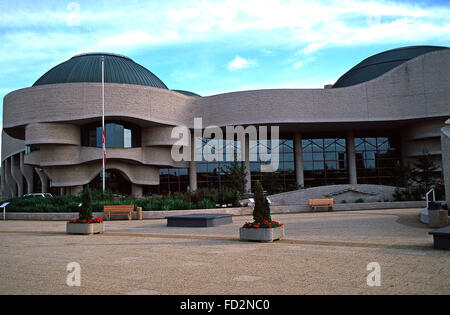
(243,211)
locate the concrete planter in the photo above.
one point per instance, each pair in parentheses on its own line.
(261,234)
(438,218)
(85,228)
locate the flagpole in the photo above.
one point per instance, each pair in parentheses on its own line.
(103,121)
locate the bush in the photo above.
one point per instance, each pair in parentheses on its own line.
(86,204)
(201,199)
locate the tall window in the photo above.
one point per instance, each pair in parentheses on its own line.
(282,179)
(118,135)
(324,161)
(210,174)
(173,180)
(376,158)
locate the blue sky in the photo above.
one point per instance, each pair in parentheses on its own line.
(211,47)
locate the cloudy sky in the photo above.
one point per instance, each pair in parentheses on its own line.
(211,47)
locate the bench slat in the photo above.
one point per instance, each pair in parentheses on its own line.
(118,209)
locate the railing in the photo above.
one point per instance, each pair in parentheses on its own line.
(434,196)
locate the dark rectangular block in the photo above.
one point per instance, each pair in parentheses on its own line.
(441,238)
(199,220)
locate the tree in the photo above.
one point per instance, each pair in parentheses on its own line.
(424,172)
(261,212)
(86,204)
(237,175)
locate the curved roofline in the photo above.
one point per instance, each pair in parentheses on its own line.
(85,67)
(357,73)
(101,54)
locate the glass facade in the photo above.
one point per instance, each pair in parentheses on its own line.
(211,174)
(376,158)
(117,134)
(324,161)
(284,178)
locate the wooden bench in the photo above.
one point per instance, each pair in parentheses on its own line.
(316,203)
(118,210)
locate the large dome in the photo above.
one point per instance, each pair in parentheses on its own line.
(87,68)
(381,63)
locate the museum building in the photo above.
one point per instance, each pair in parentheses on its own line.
(388,109)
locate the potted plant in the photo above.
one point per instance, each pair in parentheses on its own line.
(263,228)
(85,224)
(437,216)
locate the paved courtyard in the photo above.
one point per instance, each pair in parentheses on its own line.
(323,253)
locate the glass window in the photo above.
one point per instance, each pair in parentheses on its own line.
(327,164)
(376,158)
(118,135)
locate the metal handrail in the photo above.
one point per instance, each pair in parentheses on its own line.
(434,196)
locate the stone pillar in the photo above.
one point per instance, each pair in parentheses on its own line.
(192,166)
(28,173)
(17,174)
(6,193)
(9,180)
(245,146)
(445,149)
(351,158)
(136,190)
(299,174)
(44,179)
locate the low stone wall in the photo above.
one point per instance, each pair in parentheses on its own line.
(340,193)
(234,211)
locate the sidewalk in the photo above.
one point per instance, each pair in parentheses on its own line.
(323,253)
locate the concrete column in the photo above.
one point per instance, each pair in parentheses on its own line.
(192,166)
(9,180)
(136,190)
(44,179)
(28,173)
(351,158)
(245,146)
(445,149)
(17,174)
(6,193)
(299,174)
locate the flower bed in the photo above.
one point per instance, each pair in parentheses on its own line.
(78,220)
(266,224)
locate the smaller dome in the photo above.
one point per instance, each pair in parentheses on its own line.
(187,93)
(376,65)
(87,68)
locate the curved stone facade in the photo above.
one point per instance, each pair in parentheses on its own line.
(42,124)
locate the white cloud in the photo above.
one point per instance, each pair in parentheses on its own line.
(313,47)
(239,63)
(307,23)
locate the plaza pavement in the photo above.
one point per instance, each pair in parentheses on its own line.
(323,253)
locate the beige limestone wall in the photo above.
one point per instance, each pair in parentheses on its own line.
(53,133)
